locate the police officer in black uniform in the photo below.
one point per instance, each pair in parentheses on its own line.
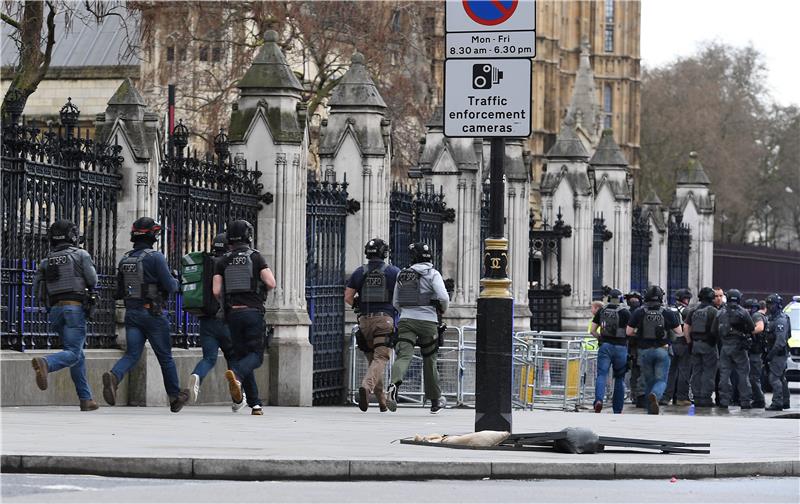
(214,334)
(733,326)
(636,381)
(697,325)
(680,367)
(65,283)
(757,349)
(778,330)
(144,281)
(608,326)
(241,281)
(370,289)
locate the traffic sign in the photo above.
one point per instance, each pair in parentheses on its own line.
(487,98)
(490,15)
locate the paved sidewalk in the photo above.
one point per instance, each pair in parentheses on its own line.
(344,443)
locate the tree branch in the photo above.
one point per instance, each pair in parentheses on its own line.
(51,40)
(10,21)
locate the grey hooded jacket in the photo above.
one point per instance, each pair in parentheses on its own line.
(430,281)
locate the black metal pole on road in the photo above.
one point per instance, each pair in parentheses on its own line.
(495,313)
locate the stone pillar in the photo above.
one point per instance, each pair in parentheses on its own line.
(127,123)
(355,143)
(657,262)
(566,189)
(694,199)
(268,127)
(452,165)
(613,185)
(517,208)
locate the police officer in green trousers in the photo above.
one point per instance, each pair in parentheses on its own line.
(369,290)
(697,324)
(421,297)
(757,349)
(733,326)
(241,281)
(778,330)
(65,283)
(144,281)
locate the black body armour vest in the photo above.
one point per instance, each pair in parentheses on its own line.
(64,274)
(374,288)
(653,327)
(409,289)
(701,322)
(609,322)
(131,270)
(239,278)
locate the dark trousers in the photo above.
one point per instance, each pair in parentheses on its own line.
(756,368)
(680,370)
(249,336)
(214,336)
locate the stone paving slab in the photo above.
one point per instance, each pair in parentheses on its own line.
(342,443)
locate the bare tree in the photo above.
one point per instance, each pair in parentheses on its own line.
(716,103)
(35,35)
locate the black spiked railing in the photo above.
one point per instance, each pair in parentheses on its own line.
(49,173)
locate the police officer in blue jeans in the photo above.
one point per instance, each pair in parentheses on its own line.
(144,281)
(241,281)
(651,324)
(214,334)
(608,326)
(64,281)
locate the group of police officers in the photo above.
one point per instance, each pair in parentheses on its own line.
(684,353)
(65,283)
(673,353)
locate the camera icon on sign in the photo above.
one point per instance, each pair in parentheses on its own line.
(485,75)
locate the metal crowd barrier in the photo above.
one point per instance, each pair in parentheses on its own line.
(551,370)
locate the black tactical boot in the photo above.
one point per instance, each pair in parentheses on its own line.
(110,388)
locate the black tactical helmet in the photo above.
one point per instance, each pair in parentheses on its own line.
(145,229)
(220,245)
(682,294)
(376,248)
(751,304)
(420,252)
(614,295)
(240,231)
(734,296)
(706,294)
(63,230)
(654,293)
(774,299)
(633,294)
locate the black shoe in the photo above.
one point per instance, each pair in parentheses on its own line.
(40,367)
(652,409)
(363,399)
(438,405)
(787,406)
(598,406)
(110,388)
(640,402)
(774,407)
(391,396)
(759,404)
(746,406)
(177,404)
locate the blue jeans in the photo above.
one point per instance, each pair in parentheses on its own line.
(214,335)
(249,334)
(140,325)
(70,323)
(655,369)
(607,356)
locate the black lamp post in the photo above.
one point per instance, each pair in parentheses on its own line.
(180,138)
(69,117)
(221,147)
(495,321)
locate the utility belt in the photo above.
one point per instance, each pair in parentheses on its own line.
(375,314)
(69,303)
(614,341)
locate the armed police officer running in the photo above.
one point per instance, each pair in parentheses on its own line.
(651,324)
(733,326)
(214,334)
(144,282)
(680,367)
(636,381)
(777,337)
(65,283)
(241,281)
(370,289)
(608,326)
(420,296)
(757,349)
(697,325)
